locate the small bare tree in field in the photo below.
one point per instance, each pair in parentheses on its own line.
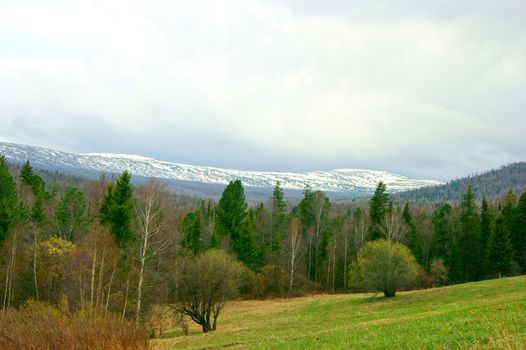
(204,283)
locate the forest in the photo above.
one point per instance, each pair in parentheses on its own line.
(107,249)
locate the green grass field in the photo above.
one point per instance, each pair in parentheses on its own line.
(483,315)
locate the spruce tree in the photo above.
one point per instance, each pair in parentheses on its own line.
(30,179)
(445,243)
(519,233)
(117,210)
(245,245)
(8,199)
(414,239)
(441,232)
(500,252)
(231,210)
(70,213)
(232,219)
(486,222)
(193,232)
(378,208)
(278,218)
(470,237)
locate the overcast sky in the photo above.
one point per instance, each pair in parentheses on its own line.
(430,89)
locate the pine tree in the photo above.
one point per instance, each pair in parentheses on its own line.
(470,237)
(500,252)
(193,232)
(8,199)
(378,208)
(117,209)
(414,239)
(486,221)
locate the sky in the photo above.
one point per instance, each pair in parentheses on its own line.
(427,89)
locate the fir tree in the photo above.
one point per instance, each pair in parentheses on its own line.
(117,209)
(378,208)
(500,252)
(8,199)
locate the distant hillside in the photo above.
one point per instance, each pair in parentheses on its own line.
(493,183)
(207,181)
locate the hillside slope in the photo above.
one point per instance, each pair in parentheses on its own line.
(488,314)
(493,183)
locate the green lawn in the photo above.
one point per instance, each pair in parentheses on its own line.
(482,315)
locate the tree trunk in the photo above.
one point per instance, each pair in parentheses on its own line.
(35,265)
(345,264)
(214,325)
(126,297)
(109,288)
(8,295)
(389,293)
(206,327)
(92,290)
(101,277)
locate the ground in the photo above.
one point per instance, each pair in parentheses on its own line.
(482,315)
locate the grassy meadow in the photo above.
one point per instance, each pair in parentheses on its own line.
(482,315)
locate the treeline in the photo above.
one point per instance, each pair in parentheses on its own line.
(107,247)
(493,183)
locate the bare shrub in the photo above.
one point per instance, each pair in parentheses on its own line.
(39,326)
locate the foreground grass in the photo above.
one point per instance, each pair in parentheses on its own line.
(482,315)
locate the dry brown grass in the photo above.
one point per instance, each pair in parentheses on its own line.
(39,326)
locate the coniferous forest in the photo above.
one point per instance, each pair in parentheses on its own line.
(114,249)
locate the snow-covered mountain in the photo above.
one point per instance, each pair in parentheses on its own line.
(351,182)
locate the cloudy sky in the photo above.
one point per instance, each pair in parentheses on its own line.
(432,89)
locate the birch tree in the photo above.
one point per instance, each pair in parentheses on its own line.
(149,206)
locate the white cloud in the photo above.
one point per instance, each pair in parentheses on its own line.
(345,84)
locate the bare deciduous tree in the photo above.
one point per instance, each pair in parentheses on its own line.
(293,250)
(204,283)
(149,206)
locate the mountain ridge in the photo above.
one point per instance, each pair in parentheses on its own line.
(353,182)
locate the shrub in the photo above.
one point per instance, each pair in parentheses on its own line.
(204,284)
(383,266)
(438,273)
(40,326)
(272,280)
